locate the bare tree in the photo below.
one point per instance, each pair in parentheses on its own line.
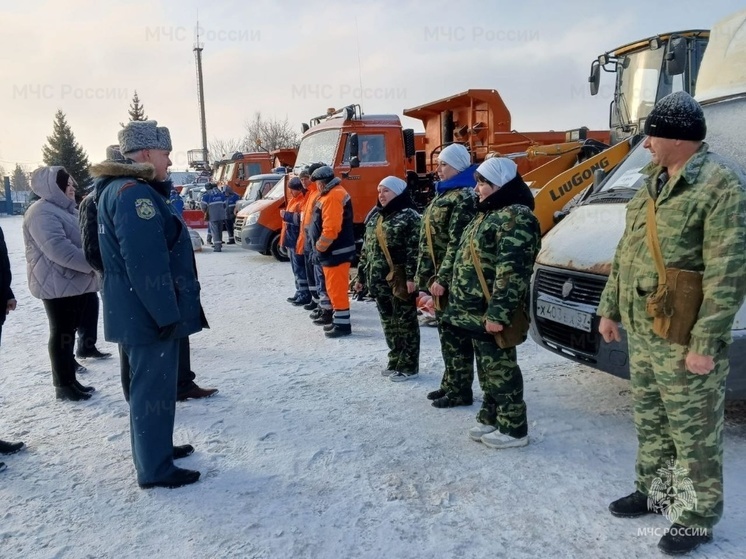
(269,134)
(221,147)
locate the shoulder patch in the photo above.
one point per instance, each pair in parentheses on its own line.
(144,208)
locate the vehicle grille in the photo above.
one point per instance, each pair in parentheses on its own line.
(239,222)
(586,290)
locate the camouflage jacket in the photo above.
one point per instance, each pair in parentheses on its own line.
(400,224)
(701,223)
(506,237)
(447,214)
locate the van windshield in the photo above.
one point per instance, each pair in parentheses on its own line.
(278,190)
(317,148)
(724,136)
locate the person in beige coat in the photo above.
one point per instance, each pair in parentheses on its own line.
(58,272)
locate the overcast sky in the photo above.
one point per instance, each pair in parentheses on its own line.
(293,59)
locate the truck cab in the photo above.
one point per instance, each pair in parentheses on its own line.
(236,169)
(258,224)
(576,256)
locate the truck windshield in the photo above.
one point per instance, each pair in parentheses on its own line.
(317,148)
(228,174)
(637,78)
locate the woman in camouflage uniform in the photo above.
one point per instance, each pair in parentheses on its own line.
(502,241)
(393,227)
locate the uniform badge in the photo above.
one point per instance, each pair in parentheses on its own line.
(144,208)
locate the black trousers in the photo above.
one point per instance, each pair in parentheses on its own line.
(185,374)
(64,318)
(88,329)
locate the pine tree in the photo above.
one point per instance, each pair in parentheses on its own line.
(63,149)
(19,181)
(137,112)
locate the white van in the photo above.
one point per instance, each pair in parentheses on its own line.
(575,260)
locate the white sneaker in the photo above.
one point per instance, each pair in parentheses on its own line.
(476,432)
(400,377)
(388,372)
(496,439)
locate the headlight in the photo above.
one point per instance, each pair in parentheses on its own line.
(252,219)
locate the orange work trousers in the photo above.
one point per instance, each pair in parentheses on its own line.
(337,280)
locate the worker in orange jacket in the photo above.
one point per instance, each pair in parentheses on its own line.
(333,238)
(315,275)
(291,216)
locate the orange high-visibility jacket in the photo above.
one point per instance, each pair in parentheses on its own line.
(306,216)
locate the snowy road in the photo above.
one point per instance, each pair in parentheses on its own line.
(309,452)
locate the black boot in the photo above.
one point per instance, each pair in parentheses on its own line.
(313,305)
(451,401)
(178,478)
(182,451)
(292,299)
(10,448)
(82,388)
(435,394)
(325,317)
(71,393)
(679,539)
(339,331)
(633,505)
(93,353)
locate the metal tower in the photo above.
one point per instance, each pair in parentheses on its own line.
(201,93)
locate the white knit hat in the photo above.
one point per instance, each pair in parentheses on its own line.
(394,184)
(456,156)
(498,170)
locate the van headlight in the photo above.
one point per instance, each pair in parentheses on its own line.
(252,219)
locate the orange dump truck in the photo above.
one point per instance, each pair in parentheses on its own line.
(363,149)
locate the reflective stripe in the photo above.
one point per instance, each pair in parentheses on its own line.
(344,250)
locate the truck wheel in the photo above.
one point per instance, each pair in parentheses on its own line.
(278,251)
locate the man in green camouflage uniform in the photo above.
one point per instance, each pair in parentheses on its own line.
(504,237)
(443,222)
(679,390)
(399,224)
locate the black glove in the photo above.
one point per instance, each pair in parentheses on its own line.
(165,332)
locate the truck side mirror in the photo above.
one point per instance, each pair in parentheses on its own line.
(595,78)
(354,161)
(303,128)
(409,146)
(354,147)
(676,56)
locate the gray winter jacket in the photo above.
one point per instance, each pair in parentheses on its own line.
(55,264)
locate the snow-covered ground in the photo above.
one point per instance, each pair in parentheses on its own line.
(308,452)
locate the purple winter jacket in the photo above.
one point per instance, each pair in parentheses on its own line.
(55,263)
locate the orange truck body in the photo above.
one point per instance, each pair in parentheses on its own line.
(235,172)
(478,118)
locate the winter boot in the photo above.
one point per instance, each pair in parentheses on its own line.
(340,324)
(10,448)
(435,394)
(325,317)
(312,306)
(679,539)
(633,505)
(451,401)
(71,393)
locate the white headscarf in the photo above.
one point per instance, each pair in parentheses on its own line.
(394,184)
(456,156)
(498,170)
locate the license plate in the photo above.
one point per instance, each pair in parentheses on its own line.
(563,315)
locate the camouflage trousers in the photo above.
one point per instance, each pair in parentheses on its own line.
(502,385)
(402,332)
(458,358)
(679,423)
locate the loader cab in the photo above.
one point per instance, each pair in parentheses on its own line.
(646,71)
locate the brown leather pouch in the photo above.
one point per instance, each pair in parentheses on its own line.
(397,280)
(675,305)
(516,332)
